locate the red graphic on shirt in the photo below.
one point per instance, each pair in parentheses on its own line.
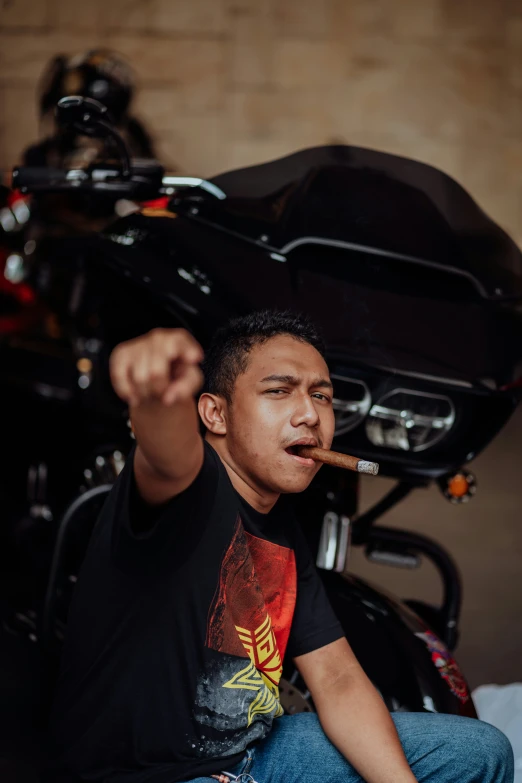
(252,611)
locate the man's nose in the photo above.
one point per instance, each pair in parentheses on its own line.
(305,412)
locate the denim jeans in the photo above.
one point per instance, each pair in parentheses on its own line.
(439,749)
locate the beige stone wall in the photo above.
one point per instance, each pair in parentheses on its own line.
(226,83)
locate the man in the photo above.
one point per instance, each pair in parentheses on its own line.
(197,582)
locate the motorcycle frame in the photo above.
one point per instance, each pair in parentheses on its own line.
(396,544)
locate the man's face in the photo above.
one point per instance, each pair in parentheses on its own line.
(284,397)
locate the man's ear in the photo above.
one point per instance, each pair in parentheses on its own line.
(212,410)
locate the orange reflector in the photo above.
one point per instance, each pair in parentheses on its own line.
(84,365)
(458,486)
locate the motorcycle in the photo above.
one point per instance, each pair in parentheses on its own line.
(418,294)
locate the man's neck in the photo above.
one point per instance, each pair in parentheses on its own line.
(260,500)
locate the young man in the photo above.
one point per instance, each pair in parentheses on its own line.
(197,582)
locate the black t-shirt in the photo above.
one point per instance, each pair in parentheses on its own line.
(176,635)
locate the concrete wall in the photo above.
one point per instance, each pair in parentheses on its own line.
(227,83)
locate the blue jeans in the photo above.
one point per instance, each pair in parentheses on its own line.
(439,749)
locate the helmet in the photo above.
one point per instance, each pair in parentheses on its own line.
(99,74)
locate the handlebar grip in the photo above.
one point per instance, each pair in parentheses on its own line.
(145,180)
(27,178)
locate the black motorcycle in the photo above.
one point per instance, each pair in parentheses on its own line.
(418,294)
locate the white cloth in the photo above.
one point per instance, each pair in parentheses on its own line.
(501,705)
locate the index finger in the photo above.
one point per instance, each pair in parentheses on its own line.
(183,346)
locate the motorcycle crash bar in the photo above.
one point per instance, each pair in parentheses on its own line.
(338,460)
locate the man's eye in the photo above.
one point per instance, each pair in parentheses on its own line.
(275,391)
(322,397)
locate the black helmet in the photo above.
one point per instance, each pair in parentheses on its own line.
(99,74)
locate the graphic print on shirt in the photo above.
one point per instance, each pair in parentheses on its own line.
(247,631)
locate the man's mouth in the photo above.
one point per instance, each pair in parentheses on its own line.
(292,451)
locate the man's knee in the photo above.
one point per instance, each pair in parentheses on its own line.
(496,752)
(487,751)
(452,748)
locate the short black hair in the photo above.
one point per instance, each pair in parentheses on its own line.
(227,356)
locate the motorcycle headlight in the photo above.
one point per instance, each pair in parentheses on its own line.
(351,403)
(409,421)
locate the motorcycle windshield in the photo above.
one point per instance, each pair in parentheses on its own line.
(370,202)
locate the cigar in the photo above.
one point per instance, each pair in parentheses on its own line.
(338,460)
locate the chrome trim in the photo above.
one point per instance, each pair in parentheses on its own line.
(344,539)
(101,175)
(396,559)
(425,377)
(195,182)
(386,254)
(78,175)
(359,408)
(408,420)
(326,554)
(334,542)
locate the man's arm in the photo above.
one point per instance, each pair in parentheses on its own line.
(158,376)
(353,715)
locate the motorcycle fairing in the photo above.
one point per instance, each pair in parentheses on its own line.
(369,200)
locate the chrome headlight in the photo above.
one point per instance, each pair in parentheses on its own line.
(351,403)
(409,421)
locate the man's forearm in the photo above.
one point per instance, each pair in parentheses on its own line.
(166,436)
(157,375)
(356,721)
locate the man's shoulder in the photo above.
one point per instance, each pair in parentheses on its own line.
(127,510)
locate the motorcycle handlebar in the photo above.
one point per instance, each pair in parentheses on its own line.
(145,181)
(29,177)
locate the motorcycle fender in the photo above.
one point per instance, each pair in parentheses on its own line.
(409,665)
